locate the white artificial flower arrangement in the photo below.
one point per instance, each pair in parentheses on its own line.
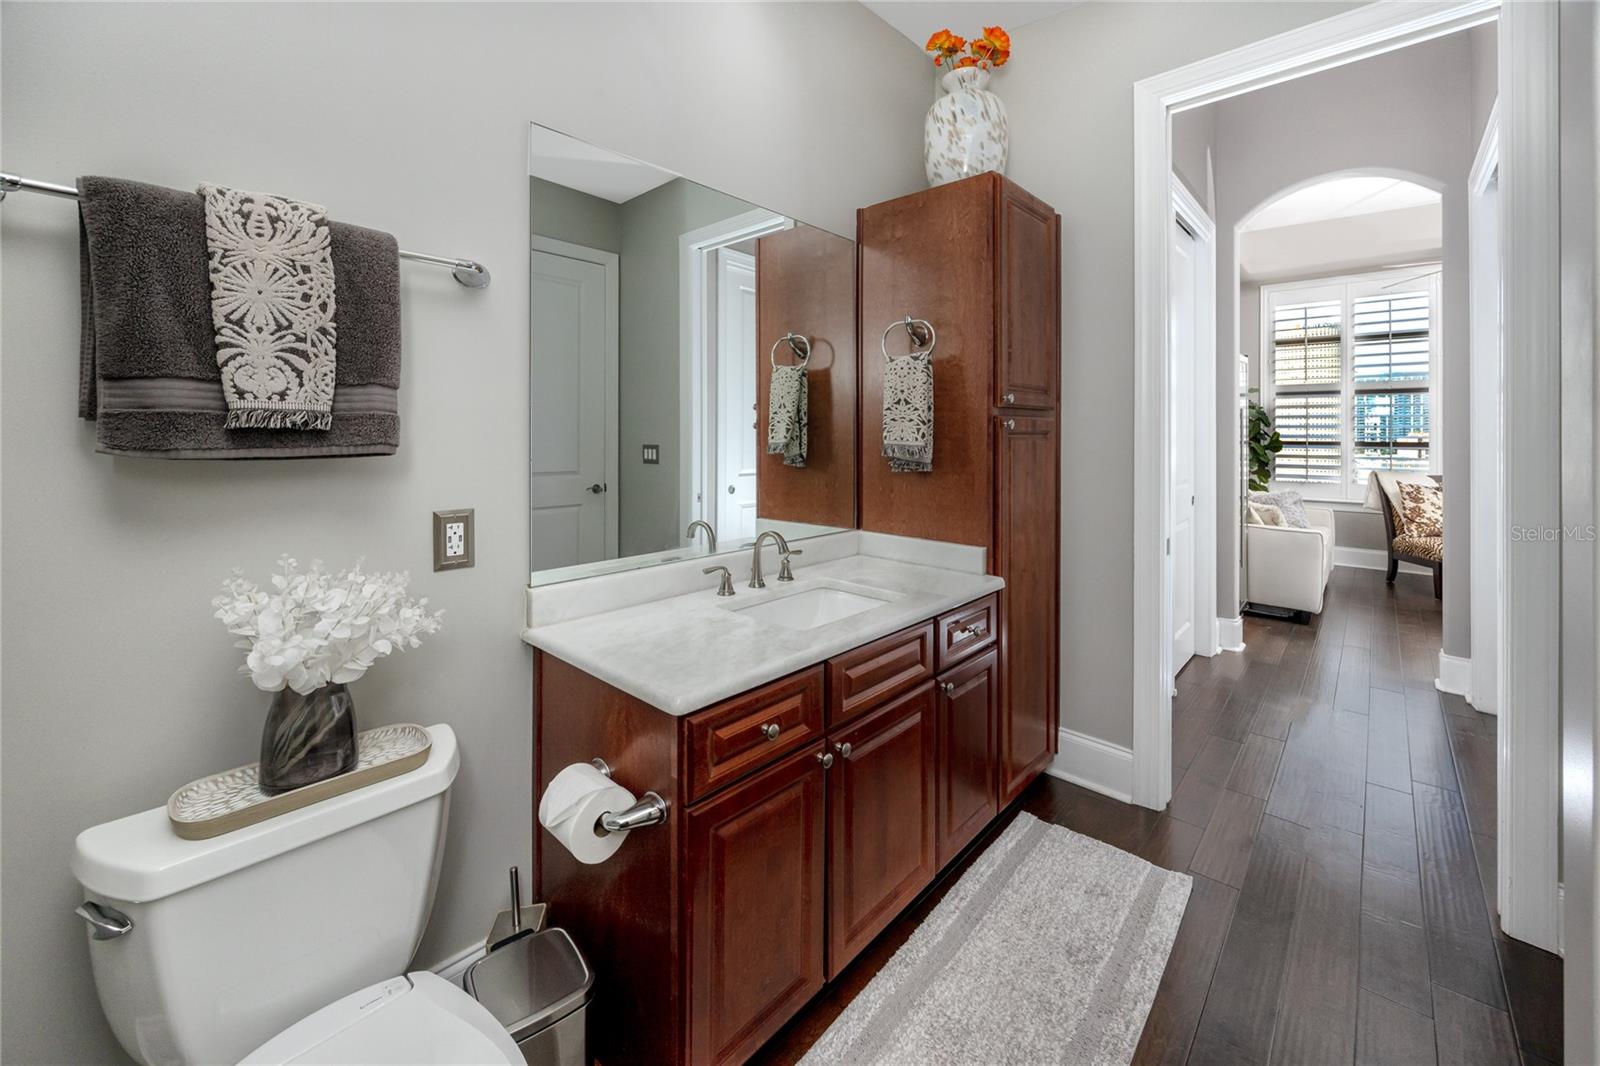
(318,628)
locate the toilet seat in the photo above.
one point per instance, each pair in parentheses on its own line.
(419,1018)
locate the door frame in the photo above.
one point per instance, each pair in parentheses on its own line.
(696,328)
(1200,224)
(1488,567)
(1529,206)
(611,263)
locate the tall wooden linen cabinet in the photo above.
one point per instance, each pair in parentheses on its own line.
(979,259)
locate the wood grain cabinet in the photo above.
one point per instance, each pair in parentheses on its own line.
(881,810)
(755,907)
(968,696)
(981,260)
(1027,551)
(804,817)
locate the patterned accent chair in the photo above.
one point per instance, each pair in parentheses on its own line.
(1383,491)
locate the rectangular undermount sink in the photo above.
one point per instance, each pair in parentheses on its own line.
(811,608)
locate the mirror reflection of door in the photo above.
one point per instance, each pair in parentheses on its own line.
(1180,559)
(734,406)
(571,516)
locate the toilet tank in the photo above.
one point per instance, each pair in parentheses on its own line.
(238,937)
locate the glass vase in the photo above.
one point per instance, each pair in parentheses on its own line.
(966,131)
(307,739)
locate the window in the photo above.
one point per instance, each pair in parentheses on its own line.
(1351,383)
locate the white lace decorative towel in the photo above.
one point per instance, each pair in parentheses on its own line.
(272,306)
(908,413)
(787,402)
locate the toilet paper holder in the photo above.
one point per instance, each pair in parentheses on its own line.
(650,810)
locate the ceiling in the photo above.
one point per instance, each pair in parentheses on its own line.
(1341,198)
(918,20)
(580,165)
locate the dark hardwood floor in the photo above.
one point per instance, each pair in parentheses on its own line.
(1337,814)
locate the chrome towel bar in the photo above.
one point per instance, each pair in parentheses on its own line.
(469,273)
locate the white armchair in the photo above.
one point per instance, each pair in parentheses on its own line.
(1289,567)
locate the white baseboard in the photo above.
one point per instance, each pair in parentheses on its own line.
(1372,559)
(1455,676)
(454,969)
(1230,634)
(1095,764)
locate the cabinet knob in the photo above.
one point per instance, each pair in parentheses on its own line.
(826,759)
(1010,423)
(770,730)
(1009,398)
(949,688)
(843,750)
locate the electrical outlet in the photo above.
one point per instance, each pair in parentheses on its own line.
(652,454)
(452,539)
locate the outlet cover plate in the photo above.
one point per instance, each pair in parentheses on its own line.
(452,539)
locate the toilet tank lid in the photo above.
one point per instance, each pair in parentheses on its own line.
(139,858)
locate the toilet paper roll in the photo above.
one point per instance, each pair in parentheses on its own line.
(572,805)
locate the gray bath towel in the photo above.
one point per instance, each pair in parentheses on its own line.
(908,413)
(148,372)
(787,402)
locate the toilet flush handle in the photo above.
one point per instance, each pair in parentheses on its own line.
(106,923)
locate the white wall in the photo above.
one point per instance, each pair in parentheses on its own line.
(1069,95)
(1408,113)
(119,687)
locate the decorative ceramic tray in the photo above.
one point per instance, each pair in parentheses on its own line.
(233,799)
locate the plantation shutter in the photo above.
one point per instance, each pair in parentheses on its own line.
(1391,350)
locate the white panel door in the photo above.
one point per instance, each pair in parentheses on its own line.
(568,413)
(1181,323)
(734,412)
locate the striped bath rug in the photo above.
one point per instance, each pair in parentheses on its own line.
(1048,950)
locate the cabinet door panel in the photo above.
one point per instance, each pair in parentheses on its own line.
(1027,556)
(1028,318)
(881,807)
(755,921)
(968,698)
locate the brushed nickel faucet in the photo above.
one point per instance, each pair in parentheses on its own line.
(755,562)
(711,534)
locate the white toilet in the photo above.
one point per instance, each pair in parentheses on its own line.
(206,949)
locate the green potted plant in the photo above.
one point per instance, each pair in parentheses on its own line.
(1264,443)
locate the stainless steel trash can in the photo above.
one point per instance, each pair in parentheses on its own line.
(538,987)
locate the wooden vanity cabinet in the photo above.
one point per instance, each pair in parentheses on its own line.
(804,816)
(968,697)
(755,914)
(881,813)
(981,260)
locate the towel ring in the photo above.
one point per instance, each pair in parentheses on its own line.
(917,347)
(797,344)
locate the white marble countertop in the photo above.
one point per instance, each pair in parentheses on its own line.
(686,652)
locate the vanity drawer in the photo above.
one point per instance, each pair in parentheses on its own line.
(732,739)
(967,631)
(872,673)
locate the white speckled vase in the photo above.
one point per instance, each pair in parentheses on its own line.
(966,131)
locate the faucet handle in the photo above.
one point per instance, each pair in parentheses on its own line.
(784,573)
(726,587)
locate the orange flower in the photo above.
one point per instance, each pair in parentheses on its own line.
(966,61)
(944,45)
(993,48)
